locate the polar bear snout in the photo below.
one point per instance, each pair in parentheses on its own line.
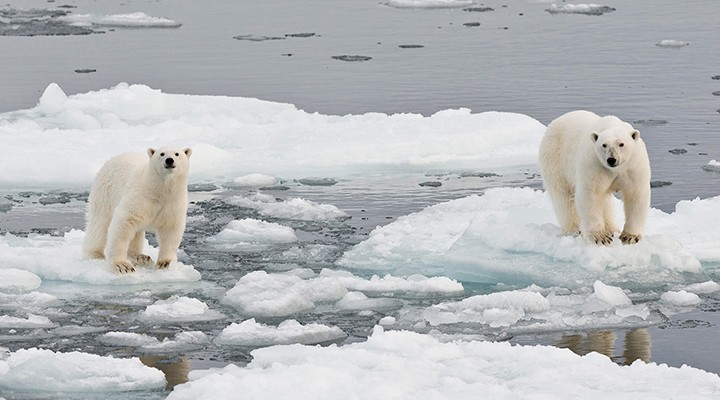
(169,162)
(612,162)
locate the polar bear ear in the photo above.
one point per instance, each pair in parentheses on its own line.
(188,151)
(594,136)
(635,134)
(150,152)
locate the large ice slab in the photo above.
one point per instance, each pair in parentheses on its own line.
(45,370)
(59,258)
(250,333)
(403,365)
(292,208)
(300,144)
(510,235)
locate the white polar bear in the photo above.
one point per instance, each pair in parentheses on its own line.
(584,159)
(133,193)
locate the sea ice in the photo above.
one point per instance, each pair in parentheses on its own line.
(44,370)
(672,43)
(300,144)
(32,321)
(255,231)
(429,3)
(255,180)
(587,9)
(510,235)
(179,309)
(59,258)
(250,333)
(131,20)
(17,280)
(680,298)
(292,208)
(404,365)
(182,341)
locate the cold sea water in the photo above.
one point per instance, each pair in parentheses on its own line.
(516,57)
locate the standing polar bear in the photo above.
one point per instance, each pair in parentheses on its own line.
(133,193)
(584,159)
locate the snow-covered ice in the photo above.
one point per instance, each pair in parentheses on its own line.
(670,43)
(510,235)
(292,208)
(254,334)
(182,341)
(179,309)
(59,258)
(254,180)
(405,365)
(277,139)
(18,280)
(429,3)
(587,9)
(130,20)
(45,370)
(680,298)
(252,231)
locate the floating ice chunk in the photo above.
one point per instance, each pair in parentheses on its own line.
(712,166)
(255,180)
(681,298)
(45,370)
(253,334)
(278,295)
(703,287)
(52,100)
(18,280)
(251,230)
(131,20)
(510,235)
(27,301)
(675,44)
(429,3)
(613,296)
(182,341)
(32,321)
(405,366)
(59,258)
(179,309)
(587,9)
(495,309)
(417,284)
(387,321)
(359,301)
(292,208)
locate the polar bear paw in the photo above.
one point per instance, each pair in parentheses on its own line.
(601,237)
(629,238)
(163,263)
(142,259)
(123,266)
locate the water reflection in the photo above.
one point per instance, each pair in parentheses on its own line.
(636,347)
(176,369)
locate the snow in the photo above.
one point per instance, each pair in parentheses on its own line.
(179,309)
(182,341)
(429,3)
(672,43)
(291,208)
(18,280)
(130,20)
(249,230)
(59,258)
(260,294)
(680,298)
(405,365)
(48,371)
(510,235)
(300,144)
(250,333)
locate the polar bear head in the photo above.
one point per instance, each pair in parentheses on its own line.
(616,145)
(170,160)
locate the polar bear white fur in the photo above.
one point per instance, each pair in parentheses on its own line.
(584,159)
(133,193)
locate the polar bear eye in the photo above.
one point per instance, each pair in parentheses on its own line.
(162,154)
(622,144)
(178,154)
(604,145)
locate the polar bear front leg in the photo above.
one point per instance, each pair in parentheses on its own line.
(169,242)
(636,205)
(135,251)
(122,230)
(591,207)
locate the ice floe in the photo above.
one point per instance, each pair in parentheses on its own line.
(292,208)
(18,280)
(182,341)
(240,233)
(250,333)
(59,258)
(405,365)
(429,3)
(509,235)
(300,144)
(47,371)
(669,43)
(178,309)
(587,9)
(130,20)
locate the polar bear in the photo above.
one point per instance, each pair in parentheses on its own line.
(584,159)
(133,193)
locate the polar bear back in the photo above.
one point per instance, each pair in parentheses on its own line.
(119,175)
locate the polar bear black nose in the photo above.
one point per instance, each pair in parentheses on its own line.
(611,161)
(169,161)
